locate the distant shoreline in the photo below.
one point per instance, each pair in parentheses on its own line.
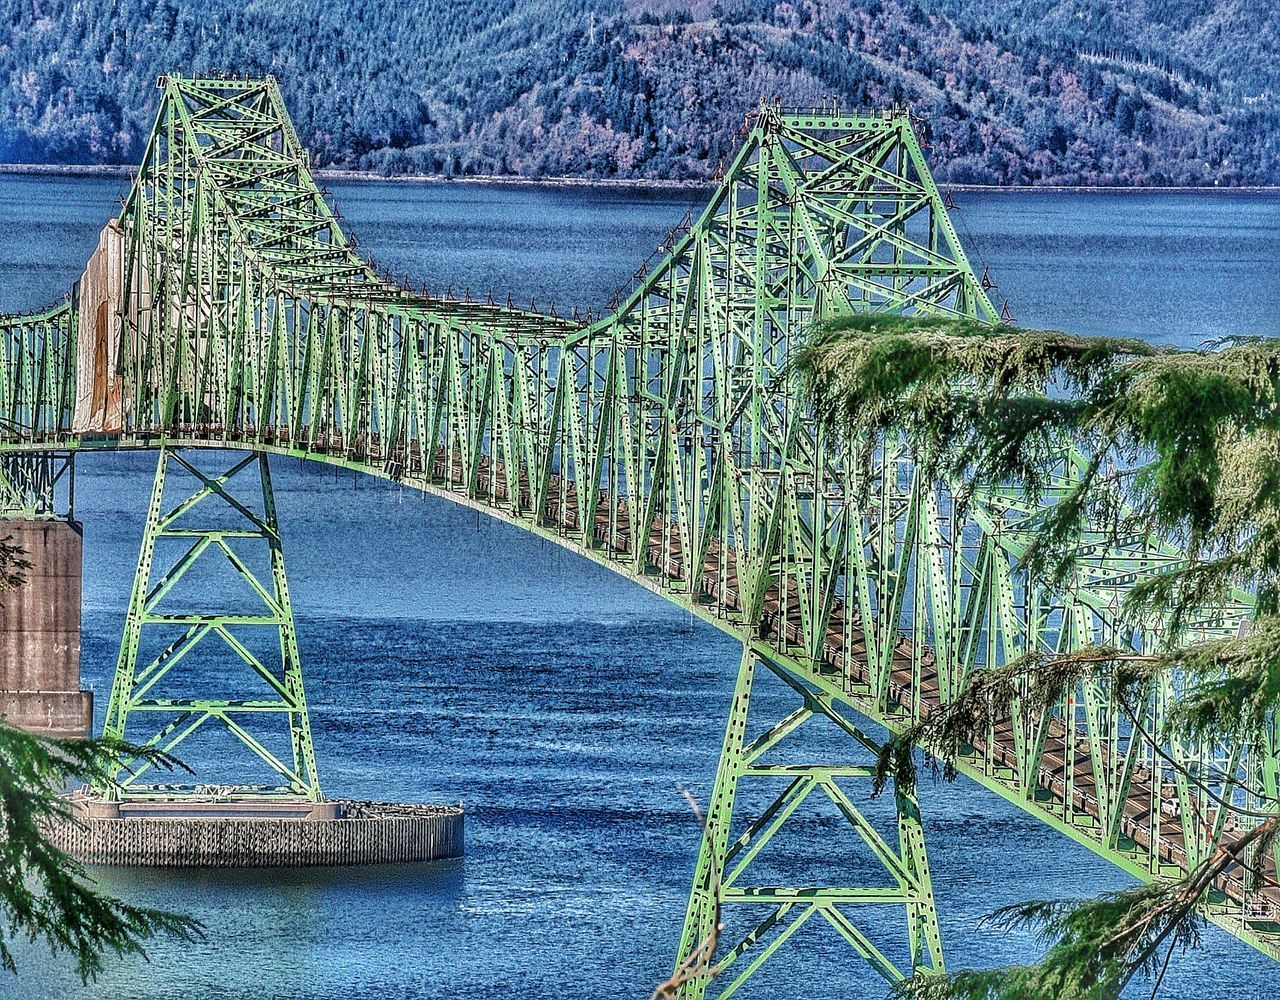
(622,183)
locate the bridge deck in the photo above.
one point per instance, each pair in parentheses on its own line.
(1057,780)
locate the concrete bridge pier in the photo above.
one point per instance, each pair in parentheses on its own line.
(40,630)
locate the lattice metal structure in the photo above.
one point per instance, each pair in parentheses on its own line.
(901,897)
(187,639)
(226,308)
(38,485)
(35,352)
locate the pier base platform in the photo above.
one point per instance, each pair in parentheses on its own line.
(257,833)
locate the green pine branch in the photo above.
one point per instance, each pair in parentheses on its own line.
(1178,444)
(1097,946)
(45,894)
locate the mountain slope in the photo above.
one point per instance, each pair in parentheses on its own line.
(1015,91)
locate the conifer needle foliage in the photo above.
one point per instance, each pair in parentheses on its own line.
(1173,443)
(46,895)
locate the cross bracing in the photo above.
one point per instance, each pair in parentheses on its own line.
(226,308)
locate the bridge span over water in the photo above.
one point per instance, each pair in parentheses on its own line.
(225,309)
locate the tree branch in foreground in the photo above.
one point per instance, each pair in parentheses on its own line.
(1097,946)
(45,894)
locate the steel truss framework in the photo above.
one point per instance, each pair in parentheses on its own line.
(37,485)
(188,636)
(723,876)
(665,441)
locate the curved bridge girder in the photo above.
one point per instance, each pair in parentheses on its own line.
(226,308)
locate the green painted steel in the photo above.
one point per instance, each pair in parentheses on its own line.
(665,441)
(724,874)
(187,640)
(38,485)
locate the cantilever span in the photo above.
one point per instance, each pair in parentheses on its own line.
(225,308)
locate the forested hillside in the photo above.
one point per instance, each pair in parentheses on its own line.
(1013,91)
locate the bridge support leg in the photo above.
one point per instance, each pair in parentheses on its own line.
(40,616)
(718,954)
(175,654)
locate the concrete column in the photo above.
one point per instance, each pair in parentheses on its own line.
(40,632)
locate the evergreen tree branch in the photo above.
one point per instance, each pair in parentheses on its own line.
(46,895)
(1159,444)
(1097,946)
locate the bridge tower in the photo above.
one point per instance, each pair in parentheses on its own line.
(849,200)
(204,656)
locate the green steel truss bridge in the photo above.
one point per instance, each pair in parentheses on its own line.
(225,309)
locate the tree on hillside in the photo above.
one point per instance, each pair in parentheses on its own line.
(1013,92)
(1178,444)
(46,895)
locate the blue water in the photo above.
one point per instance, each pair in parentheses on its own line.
(451,658)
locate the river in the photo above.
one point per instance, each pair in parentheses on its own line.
(451,658)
